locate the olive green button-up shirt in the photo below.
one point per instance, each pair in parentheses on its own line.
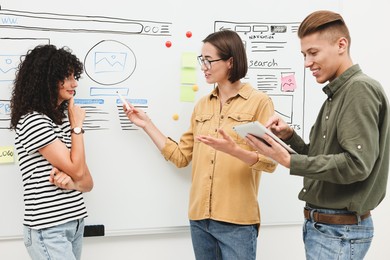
(223,187)
(346,164)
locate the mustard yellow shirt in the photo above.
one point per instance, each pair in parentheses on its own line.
(223,188)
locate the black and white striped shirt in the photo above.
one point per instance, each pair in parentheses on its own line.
(45,205)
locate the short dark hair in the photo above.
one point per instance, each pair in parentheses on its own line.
(229,45)
(36,83)
(325,21)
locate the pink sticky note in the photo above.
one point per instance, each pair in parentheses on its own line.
(288,83)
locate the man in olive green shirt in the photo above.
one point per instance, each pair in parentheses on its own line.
(345,166)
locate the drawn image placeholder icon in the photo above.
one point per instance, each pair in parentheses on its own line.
(110,62)
(8,65)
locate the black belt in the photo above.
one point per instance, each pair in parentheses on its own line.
(336,219)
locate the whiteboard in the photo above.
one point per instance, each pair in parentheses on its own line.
(146,52)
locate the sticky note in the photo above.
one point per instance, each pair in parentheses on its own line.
(187,94)
(188,76)
(288,83)
(7,154)
(188,60)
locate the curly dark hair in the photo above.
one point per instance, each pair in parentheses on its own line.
(36,83)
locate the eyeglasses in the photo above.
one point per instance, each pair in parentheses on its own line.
(206,62)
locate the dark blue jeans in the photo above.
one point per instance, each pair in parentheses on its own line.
(327,242)
(215,240)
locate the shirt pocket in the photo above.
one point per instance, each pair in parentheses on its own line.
(237,119)
(203,124)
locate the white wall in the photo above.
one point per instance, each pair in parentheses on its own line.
(368,21)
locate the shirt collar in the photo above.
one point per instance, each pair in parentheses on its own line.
(244,91)
(331,88)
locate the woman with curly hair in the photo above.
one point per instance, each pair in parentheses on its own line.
(50,146)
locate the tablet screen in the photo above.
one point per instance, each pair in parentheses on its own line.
(258,130)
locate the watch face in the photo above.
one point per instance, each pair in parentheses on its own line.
(77,130)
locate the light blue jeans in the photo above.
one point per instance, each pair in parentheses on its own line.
(62,242)
(215,240)
(341,242)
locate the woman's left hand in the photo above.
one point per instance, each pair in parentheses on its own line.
(225,144)
(61,179)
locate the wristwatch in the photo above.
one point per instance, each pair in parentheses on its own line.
(77,130)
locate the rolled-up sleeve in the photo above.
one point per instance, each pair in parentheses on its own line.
(264,164)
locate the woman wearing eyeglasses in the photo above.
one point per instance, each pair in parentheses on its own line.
(224,212)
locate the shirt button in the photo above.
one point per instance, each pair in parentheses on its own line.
(327,117)
(304,190)
(359,147)
(222,117)
(329,99)
(324,136)
(212,161)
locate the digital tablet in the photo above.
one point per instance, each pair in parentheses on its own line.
(258,130)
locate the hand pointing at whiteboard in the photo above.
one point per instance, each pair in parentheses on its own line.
(141,119)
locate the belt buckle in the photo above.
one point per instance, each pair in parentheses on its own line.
(311,214)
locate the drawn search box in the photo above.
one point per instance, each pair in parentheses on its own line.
(67,23)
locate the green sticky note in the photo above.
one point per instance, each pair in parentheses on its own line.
(188,76)
(7,154)
(188,60)
(187,94)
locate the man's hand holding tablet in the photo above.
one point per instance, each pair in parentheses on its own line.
(258,130)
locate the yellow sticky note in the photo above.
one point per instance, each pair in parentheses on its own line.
(187,94)
(7,154)
(188,76)
(188,60)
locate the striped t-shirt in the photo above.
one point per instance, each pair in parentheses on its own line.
(45,205)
